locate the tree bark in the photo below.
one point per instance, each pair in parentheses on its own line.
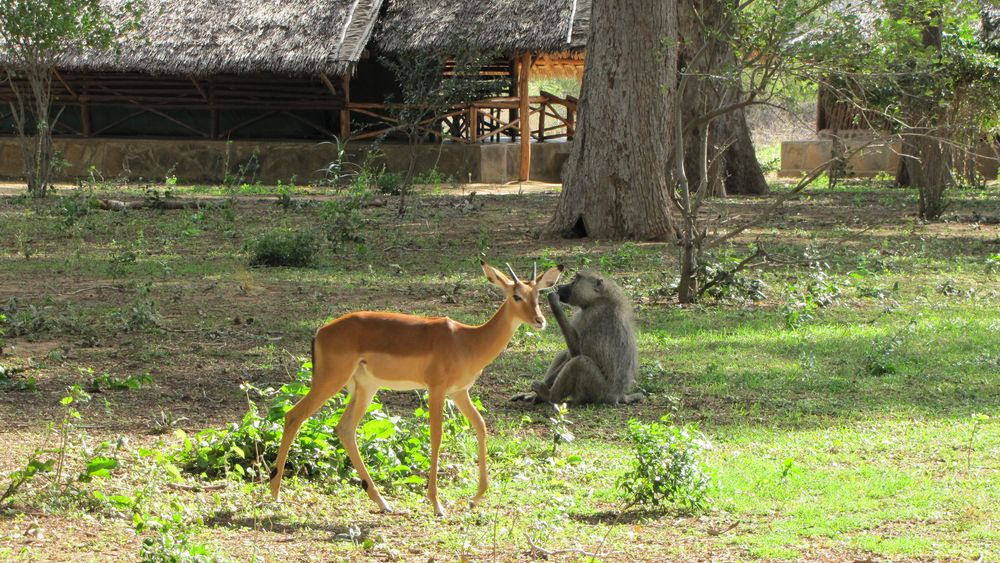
(735,169)
(742,173)
(616,180)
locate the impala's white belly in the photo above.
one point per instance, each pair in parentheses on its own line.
(366,378)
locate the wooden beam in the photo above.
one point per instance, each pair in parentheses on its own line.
(523,113)
(345,112)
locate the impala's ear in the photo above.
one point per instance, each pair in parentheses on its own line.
(495,276)
(549,277)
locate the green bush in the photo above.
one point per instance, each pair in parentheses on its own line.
(389,183)
(344,219)
(395,449)
(667,467)
(284,248)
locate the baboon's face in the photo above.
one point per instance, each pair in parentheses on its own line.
(587,286)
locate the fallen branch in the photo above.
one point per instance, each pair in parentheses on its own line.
(167,204)
(196,488)
(541,551)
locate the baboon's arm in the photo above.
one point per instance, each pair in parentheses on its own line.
(569,333)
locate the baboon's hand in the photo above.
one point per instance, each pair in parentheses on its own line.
(554,299)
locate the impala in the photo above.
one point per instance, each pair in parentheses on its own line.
(368,351)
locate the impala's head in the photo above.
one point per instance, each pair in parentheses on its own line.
(522,295)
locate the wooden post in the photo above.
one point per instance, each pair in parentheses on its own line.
(345,112)
(523,114)
(571,117)
(473,121)
(213,111)
(85,108)
(541,121)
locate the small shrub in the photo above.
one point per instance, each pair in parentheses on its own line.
(106,381)
(284,248)
(137,316)
(389,183)
(725,285)
(394,448)
(344,219)
(667,467)
(881,356)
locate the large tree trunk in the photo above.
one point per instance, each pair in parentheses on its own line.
(742,172)
(927,149)
(615,183)
(735,169)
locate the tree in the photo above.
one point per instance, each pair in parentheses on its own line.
(431,83)
(34,37)
(930,70)
(709,24)
(616,180)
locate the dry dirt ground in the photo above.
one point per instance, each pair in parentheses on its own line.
(219,324)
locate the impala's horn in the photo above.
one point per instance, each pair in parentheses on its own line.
(534,270)
(512,274)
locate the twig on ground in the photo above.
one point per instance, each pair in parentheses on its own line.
(196,488)
(539,550)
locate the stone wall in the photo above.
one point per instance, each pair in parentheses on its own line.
(211,161)
(880,156)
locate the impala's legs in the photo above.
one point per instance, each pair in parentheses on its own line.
(464,404)
(347,430)
(436,408)
(325,383)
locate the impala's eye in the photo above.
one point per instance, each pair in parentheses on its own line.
(517,297)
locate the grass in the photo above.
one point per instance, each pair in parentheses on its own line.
(854,434)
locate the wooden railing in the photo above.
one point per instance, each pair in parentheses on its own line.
(489,120)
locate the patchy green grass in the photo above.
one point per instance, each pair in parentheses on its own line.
(853,409)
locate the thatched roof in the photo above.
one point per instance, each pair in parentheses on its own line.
(202,37)
(505,26)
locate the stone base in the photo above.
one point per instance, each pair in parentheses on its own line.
(197,161)
(880,156)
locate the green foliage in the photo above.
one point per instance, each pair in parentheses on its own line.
(559,423)
(137,316)
(172,539)
(33,37)
(395,449)
(39,32)
(54,461)
(344,219)
(7,380)
(882,355)
(819,290)
(724,283)
(992,266)
(106,381)
(667,467)
(295,249)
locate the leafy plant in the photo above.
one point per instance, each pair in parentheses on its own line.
(881,356)
(394,448)
(667,467)
(344,219)
(105,380)
(559,424)
(284,248)
(992,265)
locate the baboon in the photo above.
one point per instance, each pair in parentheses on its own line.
(602,358)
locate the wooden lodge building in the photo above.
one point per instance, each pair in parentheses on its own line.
(205,86)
